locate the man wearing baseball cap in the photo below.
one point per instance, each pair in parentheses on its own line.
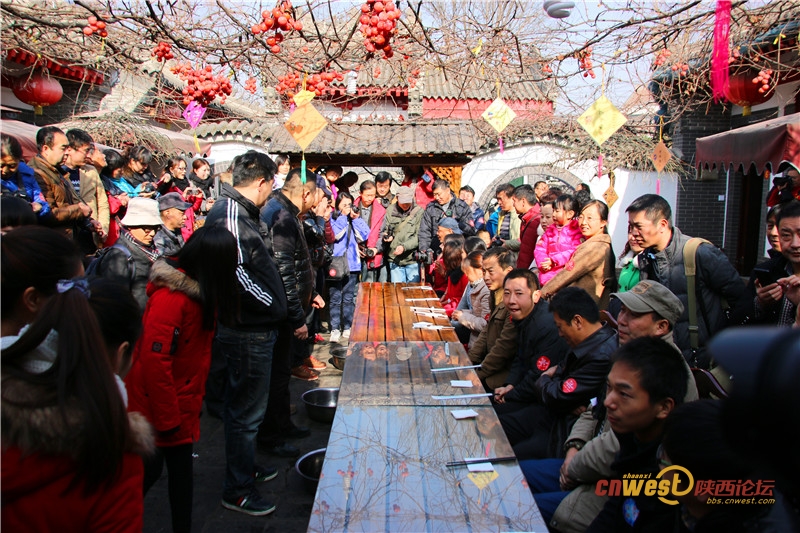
(400,235)
(567,497)
(169,238)
(131,257)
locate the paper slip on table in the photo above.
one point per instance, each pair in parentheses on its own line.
(385,466)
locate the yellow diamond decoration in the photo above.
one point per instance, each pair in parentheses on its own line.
(303,97)
(499,115)
(601,120)
(305,124)
(610,196)
(660,156)
(483,479)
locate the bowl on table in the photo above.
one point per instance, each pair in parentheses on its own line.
(309,468)
(338,356)
(321,403)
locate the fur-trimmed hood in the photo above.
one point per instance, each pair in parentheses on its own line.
(164,273)
(47,431)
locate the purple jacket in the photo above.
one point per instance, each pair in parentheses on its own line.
(343,245)
(557,244)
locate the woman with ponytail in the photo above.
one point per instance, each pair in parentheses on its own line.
(71,454)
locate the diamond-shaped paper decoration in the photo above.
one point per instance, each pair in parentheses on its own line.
(660,156)
(303,97)
(194,113)
(305,124)
(601,120)
(499,115)
(483,479)
(610,196)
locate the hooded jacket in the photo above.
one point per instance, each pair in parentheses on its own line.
(38,458)
(263,298)
(171,360)
(291,255)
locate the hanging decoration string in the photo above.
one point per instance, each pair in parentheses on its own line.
(720,81)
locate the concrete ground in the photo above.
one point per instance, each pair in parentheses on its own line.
(287,491)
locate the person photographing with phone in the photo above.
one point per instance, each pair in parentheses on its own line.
(773,293)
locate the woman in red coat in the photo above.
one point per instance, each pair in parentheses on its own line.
(171,361)
(71,454)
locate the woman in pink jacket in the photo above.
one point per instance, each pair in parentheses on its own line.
(171,361)
(559,241)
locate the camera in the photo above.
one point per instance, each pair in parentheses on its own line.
(424,256)
(496,243)
(781,181)
(388,235)
(149,187)
(355,209)
(384,202)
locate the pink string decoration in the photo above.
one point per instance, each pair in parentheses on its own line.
(719,55)
(502,148)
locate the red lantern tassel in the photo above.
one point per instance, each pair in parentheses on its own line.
(719,55)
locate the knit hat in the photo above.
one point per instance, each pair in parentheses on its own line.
(451,224)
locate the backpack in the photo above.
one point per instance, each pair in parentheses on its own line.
(94,267)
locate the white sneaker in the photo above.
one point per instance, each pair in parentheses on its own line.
(346,333)
(336,335)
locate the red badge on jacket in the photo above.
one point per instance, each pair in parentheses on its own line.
(569,385)
(543,363)
(486,317)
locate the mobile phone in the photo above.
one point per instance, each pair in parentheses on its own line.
(764,276)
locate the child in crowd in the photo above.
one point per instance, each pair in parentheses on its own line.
(472,315)
(452,257)
(560,240)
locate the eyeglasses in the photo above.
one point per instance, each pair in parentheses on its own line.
(150,229)
(89,150)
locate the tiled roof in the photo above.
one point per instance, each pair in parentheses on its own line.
(453,85)
(382,143)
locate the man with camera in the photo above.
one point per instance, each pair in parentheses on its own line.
(400,234)
(445,204)
(786,184)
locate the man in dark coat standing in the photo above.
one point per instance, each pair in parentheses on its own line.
(282,216)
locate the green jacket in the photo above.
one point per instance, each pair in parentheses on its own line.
(405,228)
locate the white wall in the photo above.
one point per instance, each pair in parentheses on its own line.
(629,185)
(226,150)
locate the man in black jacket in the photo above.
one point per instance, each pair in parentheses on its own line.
(246,345)
(650,223)
(539,346)
(445,204)
(537,428)
(282,215)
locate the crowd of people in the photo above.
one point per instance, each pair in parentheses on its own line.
(196,288)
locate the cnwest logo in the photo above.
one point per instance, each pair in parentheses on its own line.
(665,486)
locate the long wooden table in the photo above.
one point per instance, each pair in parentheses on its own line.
(385,464)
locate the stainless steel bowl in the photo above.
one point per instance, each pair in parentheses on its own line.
(309,467)
(339,356)
(321,403)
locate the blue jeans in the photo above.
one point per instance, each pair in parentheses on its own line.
(404,274)
(542,476)
(248,357)
(343,304)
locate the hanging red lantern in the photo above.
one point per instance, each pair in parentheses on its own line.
(38,90)
(744,93)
